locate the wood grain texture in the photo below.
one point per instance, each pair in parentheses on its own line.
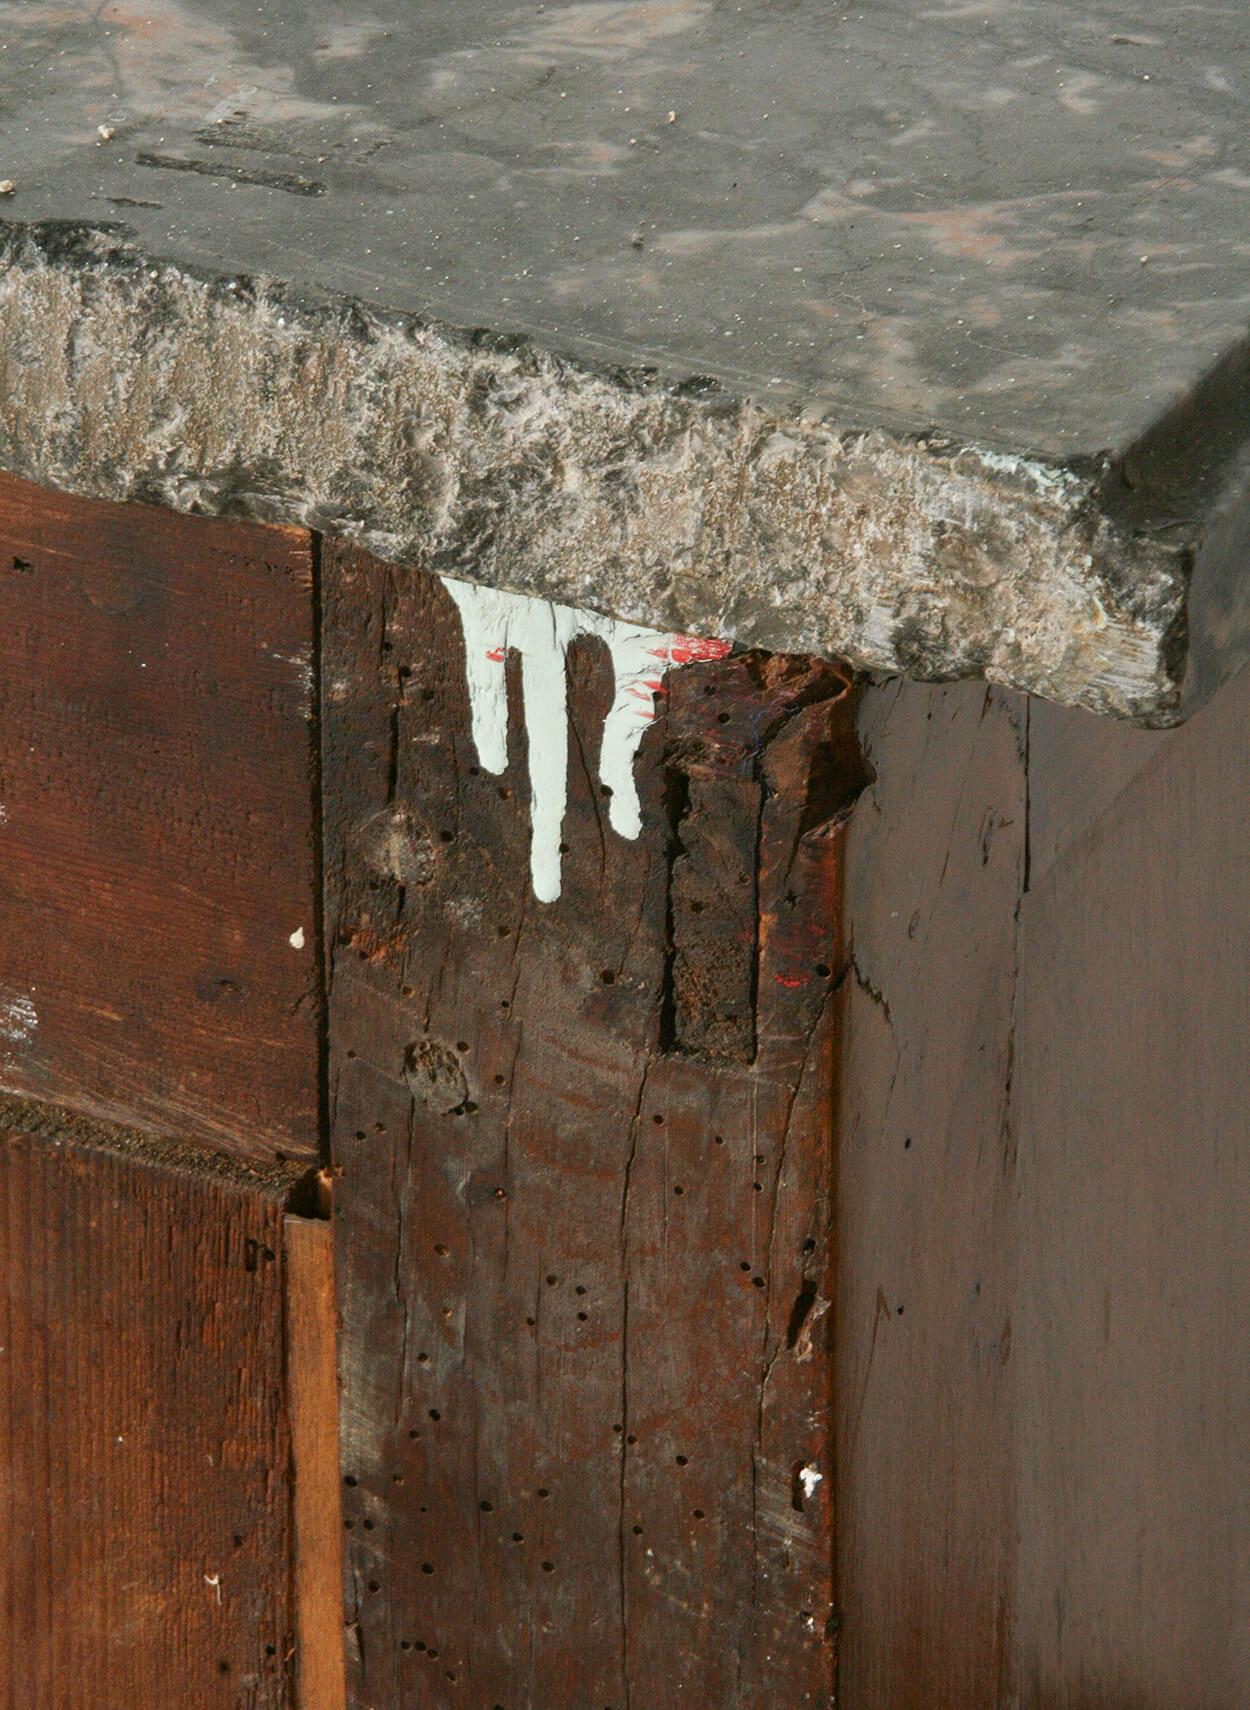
(584,1200)
(925,1227)
(1132,1086)
(1078,766)
(144,1451)
(156,821)
(312,1389)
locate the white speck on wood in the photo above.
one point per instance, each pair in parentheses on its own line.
(809,1478)
(493,623)
(296,940)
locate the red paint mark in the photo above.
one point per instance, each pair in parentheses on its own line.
(495,654)
(790,980)
(696,650)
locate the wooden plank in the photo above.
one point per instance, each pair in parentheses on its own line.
(1132,1084)
(156,848)
(144,1449)
(584,1197)
(925,1230)
(312,1388)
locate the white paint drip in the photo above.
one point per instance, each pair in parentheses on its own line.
(296,940)
(495,622)
(809,1478)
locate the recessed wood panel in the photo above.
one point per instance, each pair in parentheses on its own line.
(584,1191)
(144,1450)
(157,920)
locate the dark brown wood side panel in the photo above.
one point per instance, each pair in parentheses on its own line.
(1132,1088)
(584,1195)
(144,1452)
(156,853)
(926,1232)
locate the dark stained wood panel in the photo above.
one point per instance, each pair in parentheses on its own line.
(584,1186)
(1131,1093)
(144,1449)
(926,1189)
(156,822)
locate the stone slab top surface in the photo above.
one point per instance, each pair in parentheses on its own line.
(1015,232)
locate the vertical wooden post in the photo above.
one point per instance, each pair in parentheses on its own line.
(584,1155)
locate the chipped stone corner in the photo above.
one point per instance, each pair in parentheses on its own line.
(485,459)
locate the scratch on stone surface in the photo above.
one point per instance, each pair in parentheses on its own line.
(125,378)
(289,181)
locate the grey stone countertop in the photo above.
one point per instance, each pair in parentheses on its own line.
(912,332)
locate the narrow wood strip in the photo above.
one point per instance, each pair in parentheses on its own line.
(312,1392)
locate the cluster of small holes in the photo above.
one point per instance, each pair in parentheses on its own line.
(423,1650)
(608,977)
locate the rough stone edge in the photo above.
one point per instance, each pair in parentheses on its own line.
(128,378)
